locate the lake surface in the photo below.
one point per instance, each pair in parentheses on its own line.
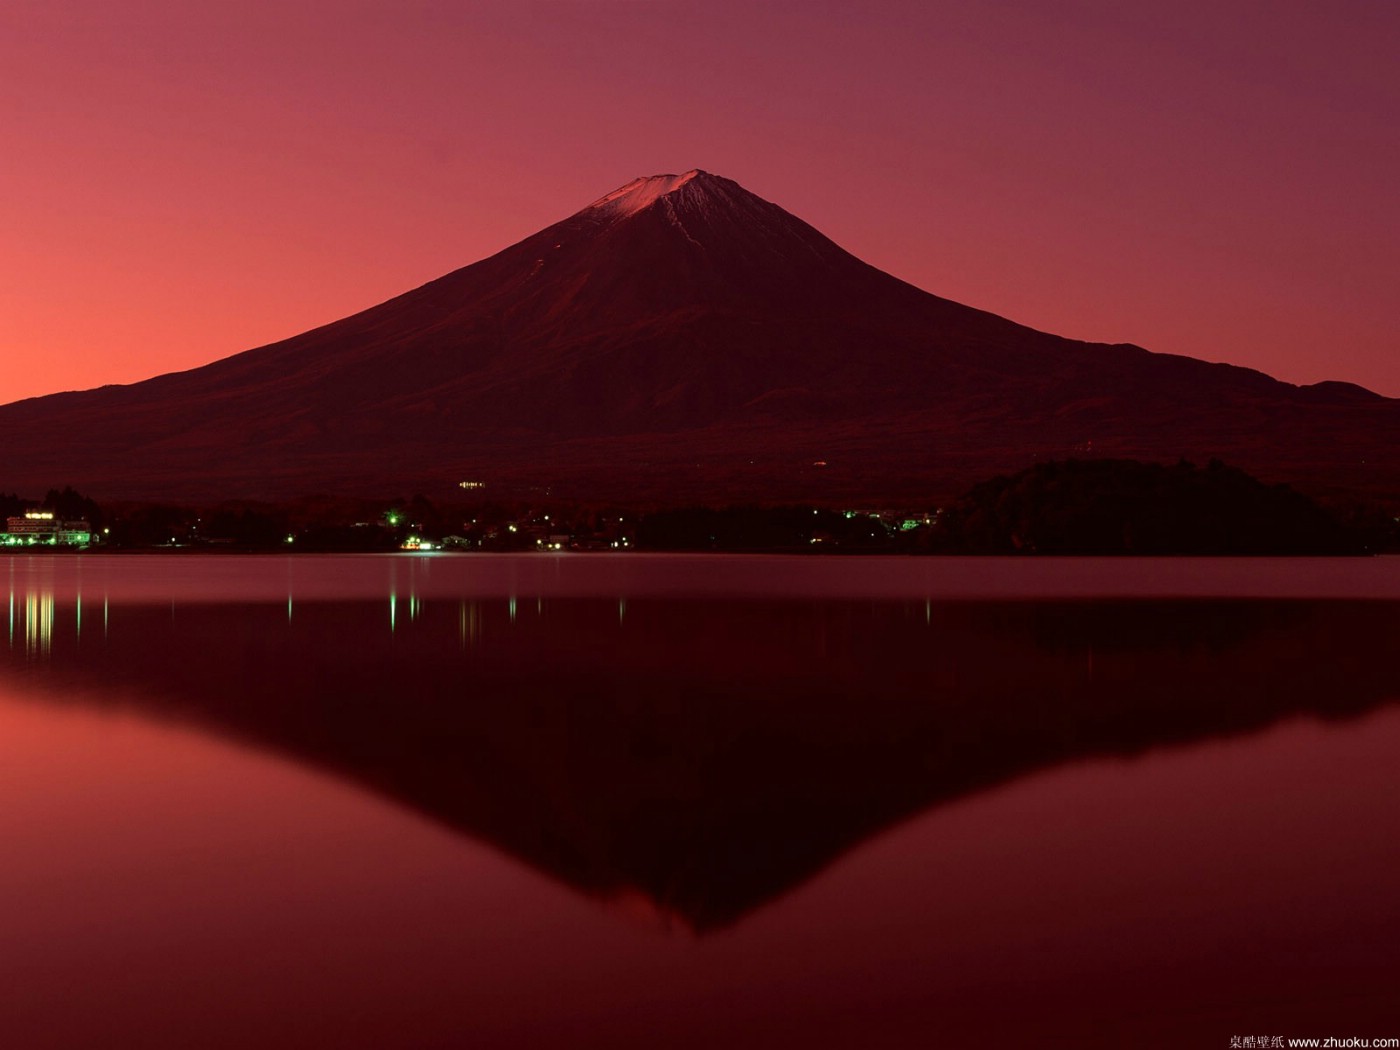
(671,801)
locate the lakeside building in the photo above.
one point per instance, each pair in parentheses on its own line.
(39,528)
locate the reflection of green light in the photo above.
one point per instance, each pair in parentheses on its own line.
(512,608)
(80,614)
(393,609)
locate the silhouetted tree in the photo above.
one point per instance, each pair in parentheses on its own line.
(247,527)
(151,526)
(1128,507)
(790,528)
(73,506)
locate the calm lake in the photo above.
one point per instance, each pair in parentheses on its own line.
(670,801)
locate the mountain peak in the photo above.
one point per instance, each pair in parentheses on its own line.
(640,192)
(681,338)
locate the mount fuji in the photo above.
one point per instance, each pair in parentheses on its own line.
(680,339)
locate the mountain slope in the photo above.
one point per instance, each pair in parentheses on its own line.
(679,338)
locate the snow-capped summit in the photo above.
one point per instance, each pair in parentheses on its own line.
(701,211)
(640,192)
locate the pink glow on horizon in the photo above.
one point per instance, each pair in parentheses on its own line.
(183,182)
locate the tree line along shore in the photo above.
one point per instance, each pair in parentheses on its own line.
(1070,507)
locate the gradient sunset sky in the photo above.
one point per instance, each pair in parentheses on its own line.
(1208,177)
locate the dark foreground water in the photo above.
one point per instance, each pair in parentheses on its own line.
(598,801)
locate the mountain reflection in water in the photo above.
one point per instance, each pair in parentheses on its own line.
(707,754)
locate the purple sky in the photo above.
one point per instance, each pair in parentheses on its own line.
(183,181)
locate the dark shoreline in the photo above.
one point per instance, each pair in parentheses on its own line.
(1075,507)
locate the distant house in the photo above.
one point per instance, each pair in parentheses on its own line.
(39,528)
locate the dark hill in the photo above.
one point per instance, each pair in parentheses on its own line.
(678,339)
(1127,507)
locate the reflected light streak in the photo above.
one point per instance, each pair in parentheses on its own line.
(393,595)
(469,621)
(34,611)
(38,623)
